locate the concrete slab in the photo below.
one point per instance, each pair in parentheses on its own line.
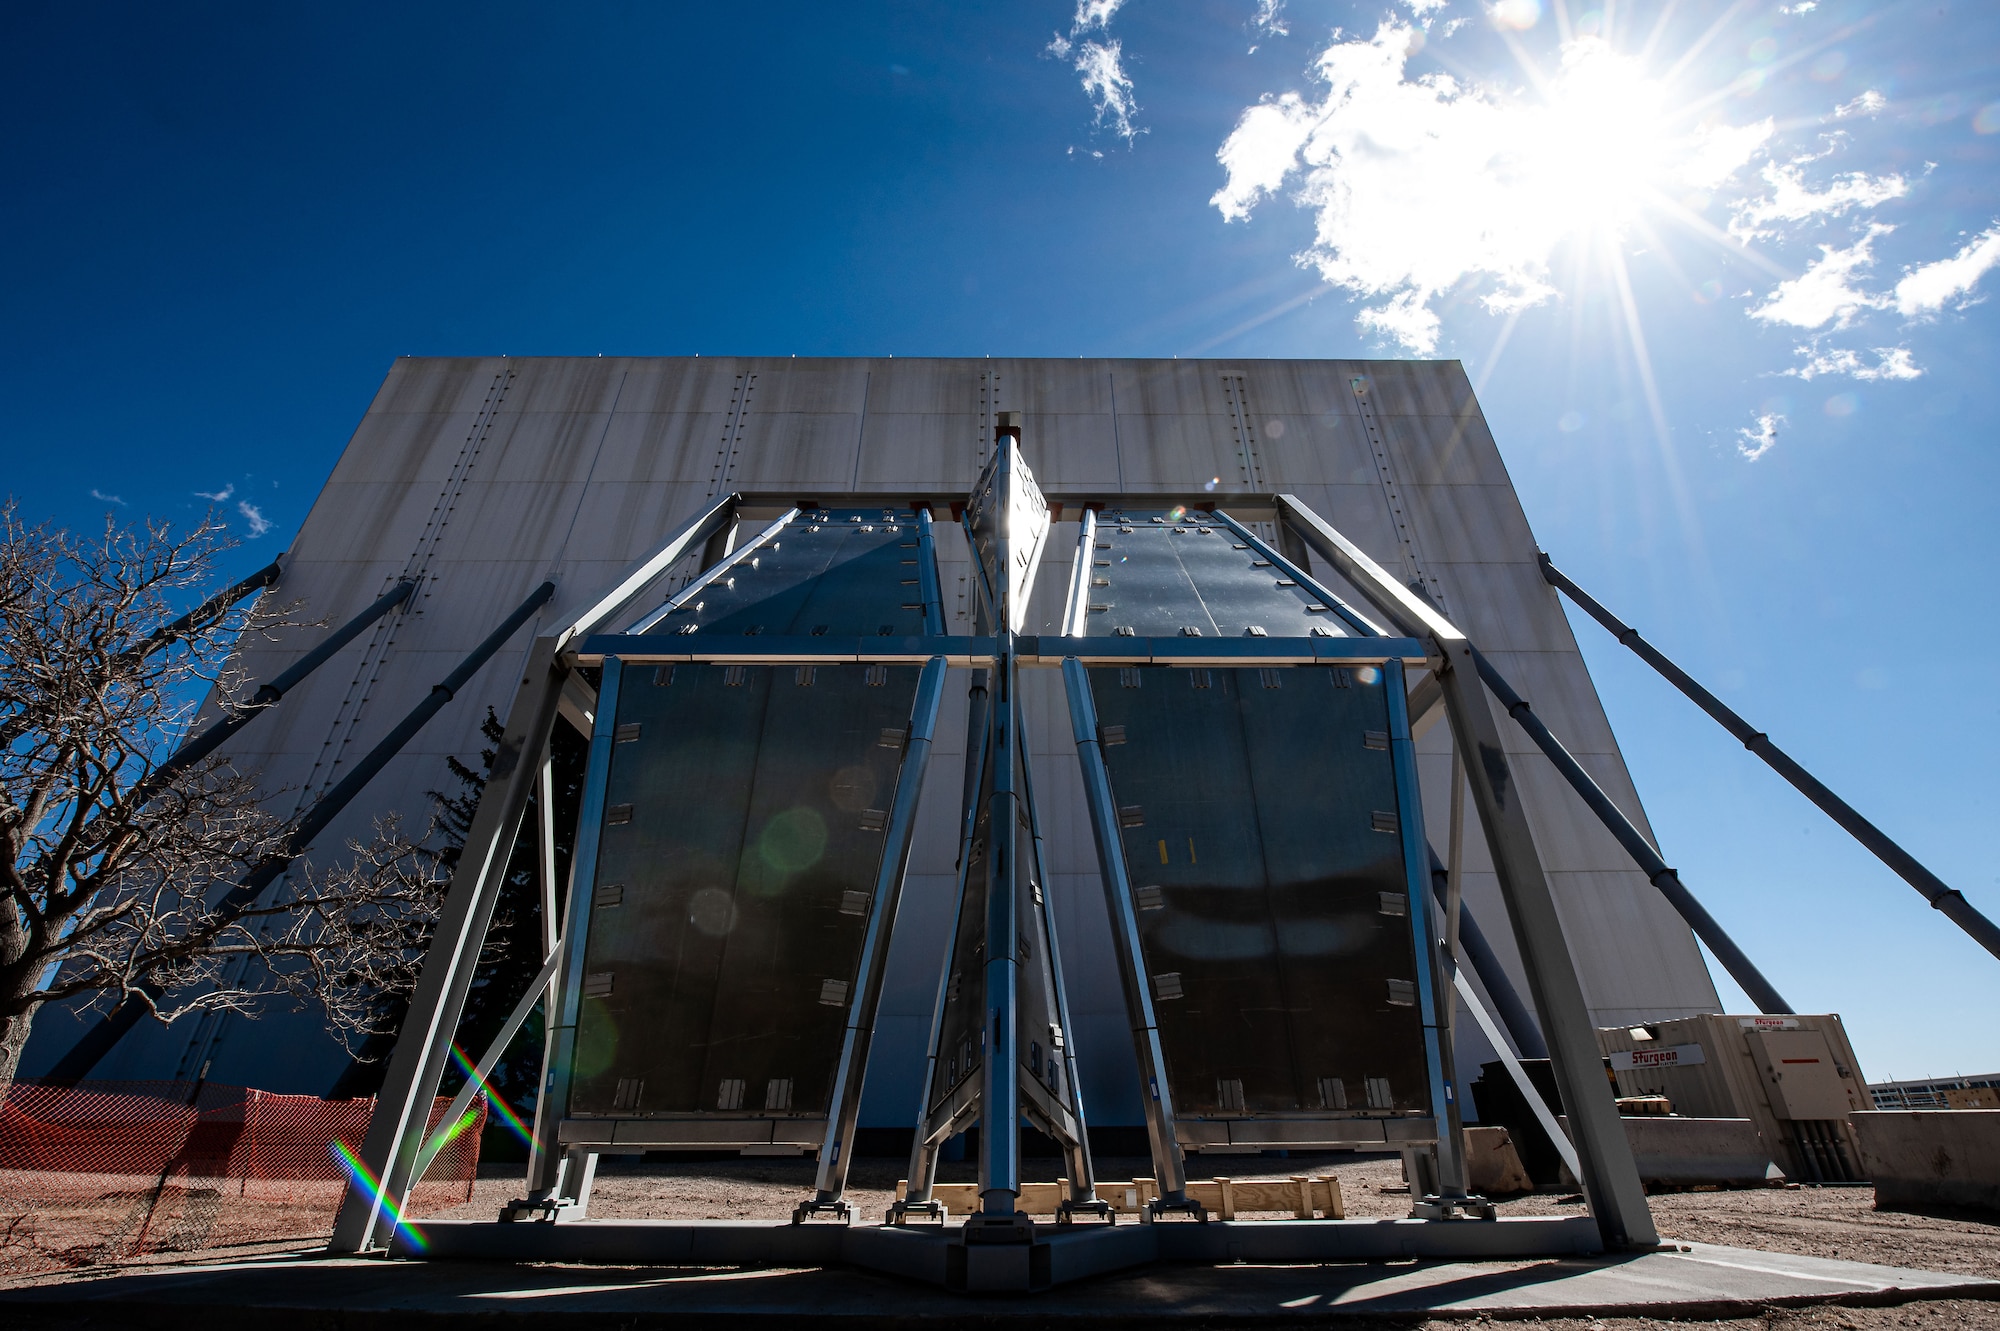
(359,1293)
(1932,1157)
(939,1254)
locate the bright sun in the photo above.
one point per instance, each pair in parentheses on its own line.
(1599,148)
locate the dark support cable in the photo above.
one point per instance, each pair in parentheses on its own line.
(102,1038)
(1485,964)
(267,695)
(1741,969)
(1948,900)
(212,607)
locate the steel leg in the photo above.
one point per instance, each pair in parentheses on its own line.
(545,1152)
(403,1108)
(844,1106)
(1169,1163)
(999,1070)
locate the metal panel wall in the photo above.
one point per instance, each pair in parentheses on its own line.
(483,476)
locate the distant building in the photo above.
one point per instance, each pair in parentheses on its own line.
(1933,1094)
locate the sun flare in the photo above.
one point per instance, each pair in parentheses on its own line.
(1428,186)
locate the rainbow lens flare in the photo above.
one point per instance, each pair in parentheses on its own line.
(501,1109)
(371,1186)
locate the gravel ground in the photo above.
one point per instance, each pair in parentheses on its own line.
(1816,1222)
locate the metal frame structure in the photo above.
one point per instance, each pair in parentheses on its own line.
(1439,1172)
(1008,523)
(1014,1253)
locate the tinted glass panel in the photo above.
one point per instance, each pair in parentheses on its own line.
(843,572)
(745,817)
(1260,828)
(1160,576)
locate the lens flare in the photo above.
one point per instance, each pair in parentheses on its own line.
(358,1174)
(501,1109)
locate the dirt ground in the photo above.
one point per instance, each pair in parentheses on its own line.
(1813,1222)
(1818,1222)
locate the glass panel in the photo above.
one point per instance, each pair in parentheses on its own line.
(1260,828)
(1159,574)
(844,572)
(745,815)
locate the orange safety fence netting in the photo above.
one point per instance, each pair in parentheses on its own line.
(106,1171)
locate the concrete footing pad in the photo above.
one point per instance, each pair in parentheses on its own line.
(939,1254)
(360,1294)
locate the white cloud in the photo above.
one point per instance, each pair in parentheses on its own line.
(1423,186)
(1822,294)
(1890,363)
(1423,8)
(1094,14)
(1720,151)
(1867,104)
(1106,84)
(1931,287)
(1802,7)
(1755,441)
(1270,19)
(220,496)
(1792,200)
(105,498)
(259,524)
(1101,65)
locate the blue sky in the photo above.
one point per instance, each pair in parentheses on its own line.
(1722,273)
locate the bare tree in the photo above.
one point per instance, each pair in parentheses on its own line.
(115,859)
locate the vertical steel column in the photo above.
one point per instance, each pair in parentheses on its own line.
(552,946)
(1454,883)
(923,1150)
(1169,1162)
(1082,1172)
(1076,611)
(546,1177)
(844,1106)
(402,1110)
(545,794)
(1438,1058)
(999,1071)
(927,572)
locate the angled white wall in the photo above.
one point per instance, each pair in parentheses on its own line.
(485,476)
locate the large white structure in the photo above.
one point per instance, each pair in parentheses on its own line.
(481,478)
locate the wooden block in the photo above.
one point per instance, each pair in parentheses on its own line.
(1042,1198)
(1301,1196)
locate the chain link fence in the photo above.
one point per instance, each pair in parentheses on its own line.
(103,1172)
